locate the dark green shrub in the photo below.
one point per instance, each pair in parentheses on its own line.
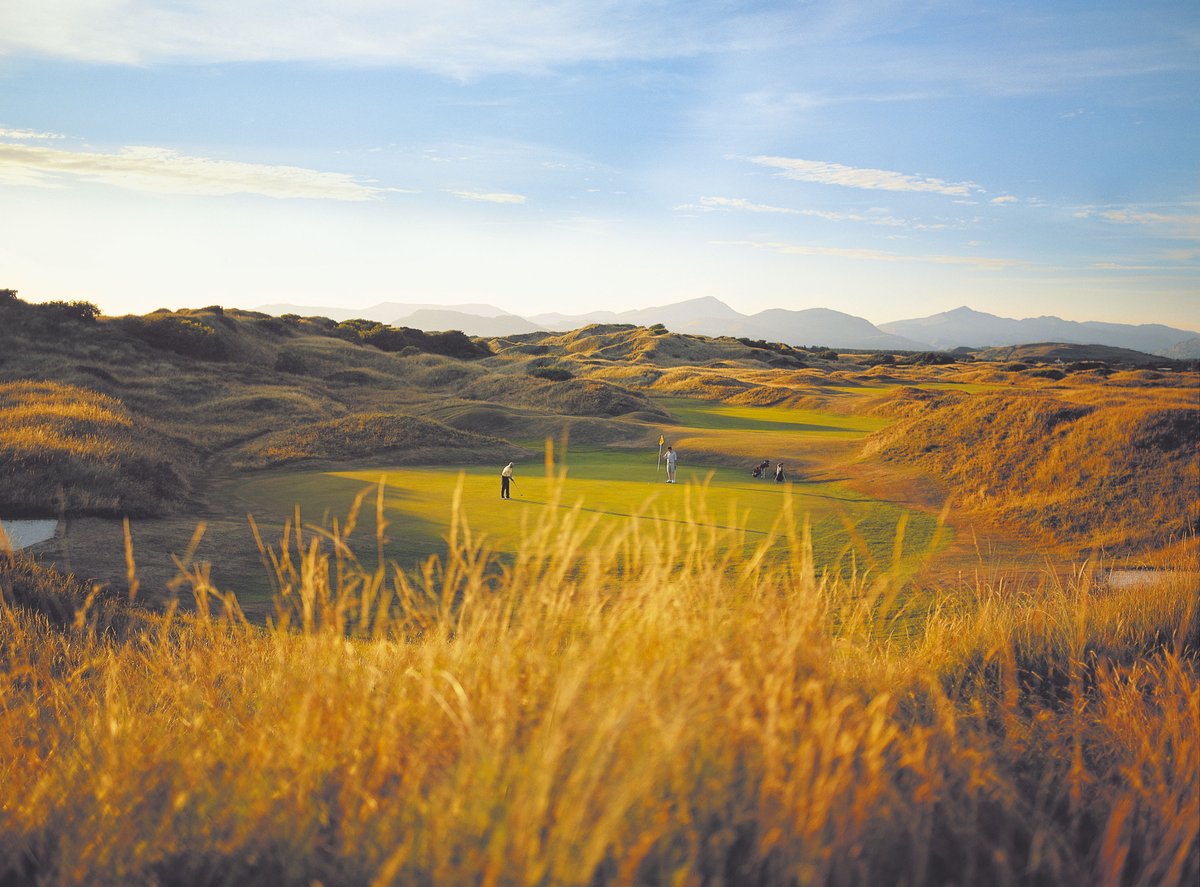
(455,344)
(1046,373)
(85,312)
(291,362)
(395,339)
(553,374)
(183,335)
(1088,366)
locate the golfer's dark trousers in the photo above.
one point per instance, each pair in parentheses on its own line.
(504,488)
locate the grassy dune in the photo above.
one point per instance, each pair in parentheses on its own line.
(1108,470)
(67,448)
(645,707)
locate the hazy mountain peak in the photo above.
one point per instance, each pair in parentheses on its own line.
(966,327)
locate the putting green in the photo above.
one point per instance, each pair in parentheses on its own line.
(619,485)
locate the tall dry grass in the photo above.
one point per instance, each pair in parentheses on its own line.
(1110,470)
(631,705)
(68,448)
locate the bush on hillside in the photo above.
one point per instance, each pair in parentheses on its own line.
(46,315)
(182,335)
(84,312)
(1046,373)
(550,373)
(291,362)
(451,343)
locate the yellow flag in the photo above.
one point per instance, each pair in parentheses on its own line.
(661,440)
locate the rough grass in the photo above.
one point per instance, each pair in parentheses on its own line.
(572,397)
(398,437)
(1119,473)
(644,710)
(531,426)
(67,449)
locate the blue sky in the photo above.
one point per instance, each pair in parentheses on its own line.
(888,159)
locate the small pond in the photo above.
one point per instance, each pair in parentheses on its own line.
(23,533)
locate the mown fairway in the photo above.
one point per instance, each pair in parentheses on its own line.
(611,485)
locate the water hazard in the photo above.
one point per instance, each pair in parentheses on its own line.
(23,533)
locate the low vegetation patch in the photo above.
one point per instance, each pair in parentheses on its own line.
(390,338)
(183,335)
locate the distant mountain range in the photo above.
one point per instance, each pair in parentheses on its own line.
(975,329)
(962,327)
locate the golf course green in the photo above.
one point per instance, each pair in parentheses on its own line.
(850,531)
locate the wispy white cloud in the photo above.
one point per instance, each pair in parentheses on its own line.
(29,135)
(461,38)
(490,196)
(873,255)
(1005,198)
(1128,216)
(164,171)
(1118,266)
(824,173)
(710,204)
(1177,224)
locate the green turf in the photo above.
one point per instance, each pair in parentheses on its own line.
(706,415)
(617,485)
(612,485)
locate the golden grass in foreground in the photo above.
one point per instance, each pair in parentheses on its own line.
(644,710)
